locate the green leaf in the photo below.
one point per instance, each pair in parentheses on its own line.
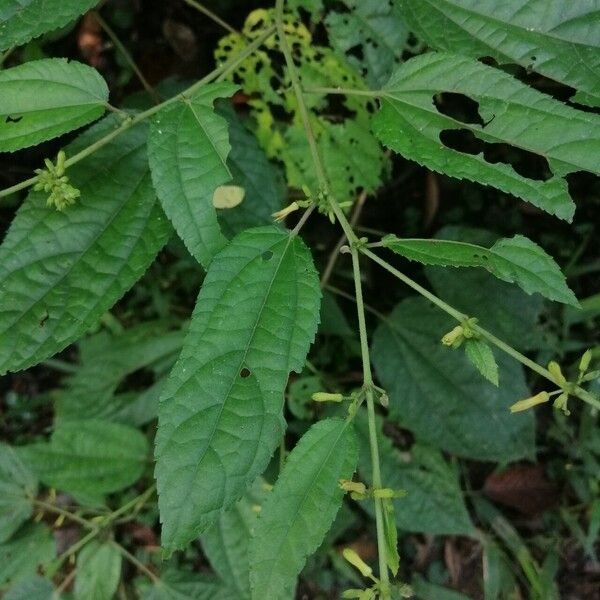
(503,309)
(302,507)
(390,536)
(434,502)
(250,169)
(555,38)
(515,260)
(33,588)
(226,543)
(187,150)
(43,99)
(425,590)
(89,458)
(98,571)
(60,271)
(430,385)
(18,486)
(220,415)
(22,20)
(482,358)
(509,112)
(22,556)
(374,30)
(181,585)
(105,361)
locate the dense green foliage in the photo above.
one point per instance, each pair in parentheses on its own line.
(254,423)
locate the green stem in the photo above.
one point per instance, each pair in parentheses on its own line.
(137,563)
(343,91)
(373,443)
(484,333)
(352,239)
(211,15)
(134,120)
(47,506)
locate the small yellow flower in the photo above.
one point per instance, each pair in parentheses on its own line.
(454,338)
(280,215)
(556,373)
(355,560)
(530,402)
(325,397)
(353,486)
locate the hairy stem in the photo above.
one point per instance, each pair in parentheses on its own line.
(134,120)
(484,333)
(352,238)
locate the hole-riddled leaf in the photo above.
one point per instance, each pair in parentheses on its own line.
(43,99)
(513,114)
(217,428)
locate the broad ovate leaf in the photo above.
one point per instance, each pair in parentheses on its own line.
(220,414)
(98,571)
(89,458)
(22,20)
(187,150)
(43,99)
(509,117)
(555,38)
(302,507)
(18,487)
(516,260)
(61,270)
(439,395)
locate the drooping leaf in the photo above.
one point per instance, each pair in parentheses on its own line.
(509,117)
(22,20)
(22,556)
(434,502)
(33,588)
(60,271)
(89,458)
(251,170)
(227,542)
(105,361)
(43,99)
(555,38)
(436,393)
(187,150)
(18,486)
(482,358)
(301,508)
(220,415)
(370,35)
(182,585)
(516,260)
(98,571)
(503,309)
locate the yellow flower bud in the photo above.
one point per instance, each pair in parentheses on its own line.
(326,397)
(584,363)
(384,493)
(561,403)
(454,338)
(356,561)
(556,373)
(280,215)
(353,486)
(530,402)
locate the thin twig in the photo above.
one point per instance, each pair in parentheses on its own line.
(211,15)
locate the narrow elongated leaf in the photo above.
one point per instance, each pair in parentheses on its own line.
(516,260)
(555,38)
(18,486)
(508,112)
(22,20)
(43,99)
(301,509)
(220,415)
(98,571)
(188,150)
(434,502)
(23,555)
(227,542)
(89,458)
(60,271)
(436,393)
